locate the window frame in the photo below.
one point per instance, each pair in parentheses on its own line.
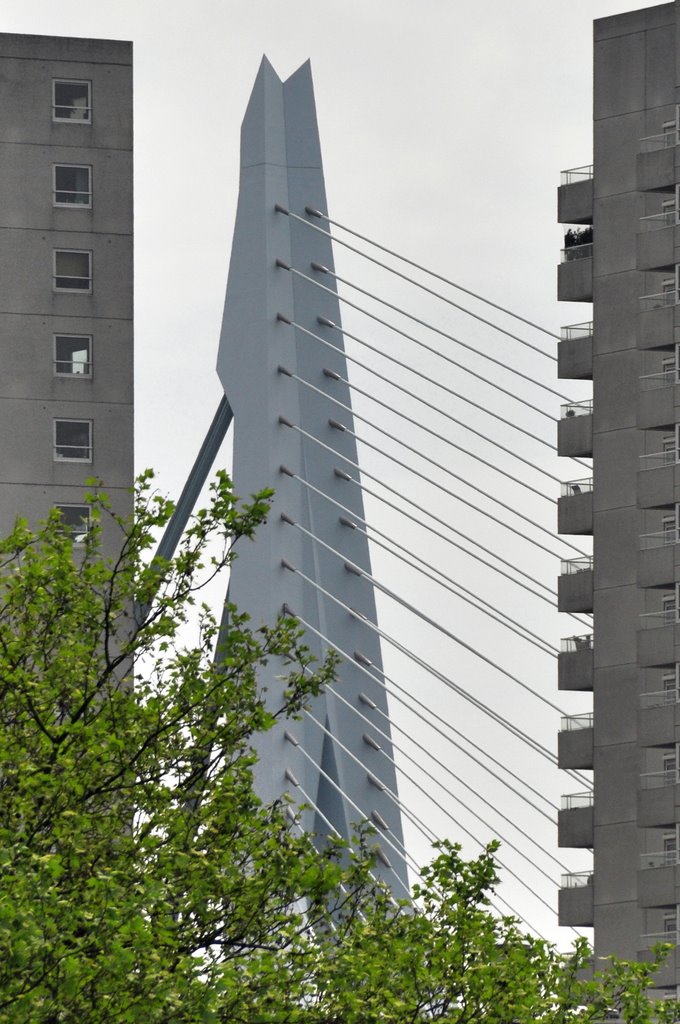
(88,108)
(89,448)
(55,275)
(55,190)
(86,519)
(56,361)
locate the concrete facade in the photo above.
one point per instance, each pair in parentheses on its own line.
(66,281)
(633,666)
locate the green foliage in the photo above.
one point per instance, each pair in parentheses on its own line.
(141,880)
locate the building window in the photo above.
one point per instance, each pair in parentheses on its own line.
(71,100)
(73,440)
(73,355)
(75,520)
(72,185)
(72,270)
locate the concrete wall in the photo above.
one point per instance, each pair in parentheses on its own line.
(32,395)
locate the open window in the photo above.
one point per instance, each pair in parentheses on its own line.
(73,355)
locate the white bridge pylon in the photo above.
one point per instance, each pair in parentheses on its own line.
(336,758)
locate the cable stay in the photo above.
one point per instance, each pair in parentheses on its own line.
(519,733)
(445,768)
(422,323)
(393,796)
(438,465)
(434,532)
(427,716)
(358,571)
(446,440)
(440,487)
(457,589)
(411,263)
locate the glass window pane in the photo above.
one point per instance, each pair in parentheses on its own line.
(72,185)
(75,520)
(72,269)
(72,101)
(72,439)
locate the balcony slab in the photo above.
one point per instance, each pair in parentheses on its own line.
(575,202)
(657,646)
(656,170)
(656,249)
(575,591)
(659,726)
(575,358)
(655,327)
(575,513)
(659,566)
(657,808)
(575,670)
(575,748)
(575,435)
(575,280)
(658,887)
(575,906)
(575,827)
(656,408)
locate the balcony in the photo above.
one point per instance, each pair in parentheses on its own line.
(656,241)
(575,585)
(575,272)
(656,162)
(658,719)
(575,663)
(575,507)
(575,352)
(658,798)
(657,318)
(576,900)
(659,558)
(575,429)
(658,638)
(575,196)
(575,821)
(575,741)
(657,399)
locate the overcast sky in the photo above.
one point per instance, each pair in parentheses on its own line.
(444,127)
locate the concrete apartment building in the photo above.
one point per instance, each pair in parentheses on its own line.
(66,391)
(622,254)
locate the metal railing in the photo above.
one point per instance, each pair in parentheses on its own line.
(668,457)
(570,566)
(661,859)
(573,174)
(665,617)
(571,409)
(659,539)
(571,801)
(663,379)
(576,879)
(665,219)
(572,487)
(571,644)
(665,140)
(659,698)
(659,779)
(658,300)
(653,938)
(577,252)
(572,331)
(572,723)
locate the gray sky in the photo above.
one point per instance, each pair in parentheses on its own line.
(444,127)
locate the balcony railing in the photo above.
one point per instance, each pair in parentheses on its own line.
(658,300)
(664,140)
(576,174)
(666,617)
(571,644)
(662,859)
(654,938)
(569,566)
(576,409)
(577,252)
(665,219)
(659,698)
(659,779)
(572,487)
(668,457)
(576,879)
(576,331)
(570,801)
(570,723)
(659,539)
(663,379)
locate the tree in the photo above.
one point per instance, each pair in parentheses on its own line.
(141,879)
